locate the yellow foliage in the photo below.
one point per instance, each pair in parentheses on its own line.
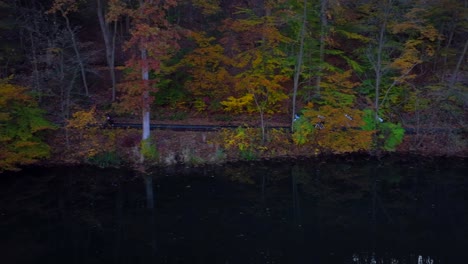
(342,80)
(206,64)
(209,7)
(20,120)
(337,89)
(244,141)
(340,131)
(87,136)
(239,105)
(420,43)
(83,119)
(431,33)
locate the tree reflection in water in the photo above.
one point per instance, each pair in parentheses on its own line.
(345,211)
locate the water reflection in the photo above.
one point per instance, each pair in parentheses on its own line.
(272,212)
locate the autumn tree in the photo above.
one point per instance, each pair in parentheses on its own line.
(153,40)
(439,83)
(261,63)
(325,37)
(209,80)
(333,123)
(21,127)
(400,40)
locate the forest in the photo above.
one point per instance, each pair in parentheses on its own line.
(346,76)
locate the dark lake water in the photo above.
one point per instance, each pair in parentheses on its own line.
(342,211)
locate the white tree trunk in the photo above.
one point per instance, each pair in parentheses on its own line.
(146,106)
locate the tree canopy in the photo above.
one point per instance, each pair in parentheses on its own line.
(21,127)
(334,63)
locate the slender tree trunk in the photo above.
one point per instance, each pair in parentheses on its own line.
(109,41)
(77,53)
(298,70)
(323,26)
(261,109)
(113,75)
(447,46)
(457,68)
(378,63)
(68,94)
(146,105)
(145,96)
(261,112)
(36,86)
(66,105)
(262,124)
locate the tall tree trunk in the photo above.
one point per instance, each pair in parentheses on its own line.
(146,99)
(323,26)
(454,77)
(378,67)
(298,68)
(447,46)
(109,41)
(261,111)
(77,53)
(260,107)
(145,96)
(36,86)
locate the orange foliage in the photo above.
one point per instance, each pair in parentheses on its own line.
(207,66)
(260,60)
(153,40)
(84,129)
(420,43)
(340,131)
(64,7)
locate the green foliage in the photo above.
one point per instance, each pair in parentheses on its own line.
(369,120)
(242,60)
(392,134)
(338,89)
(244,141)
(21,126)
(303,130)
(389,135)
(248,154)
(169,94)
(148,150)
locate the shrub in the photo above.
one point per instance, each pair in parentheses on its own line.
(148,150)
(389,135)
